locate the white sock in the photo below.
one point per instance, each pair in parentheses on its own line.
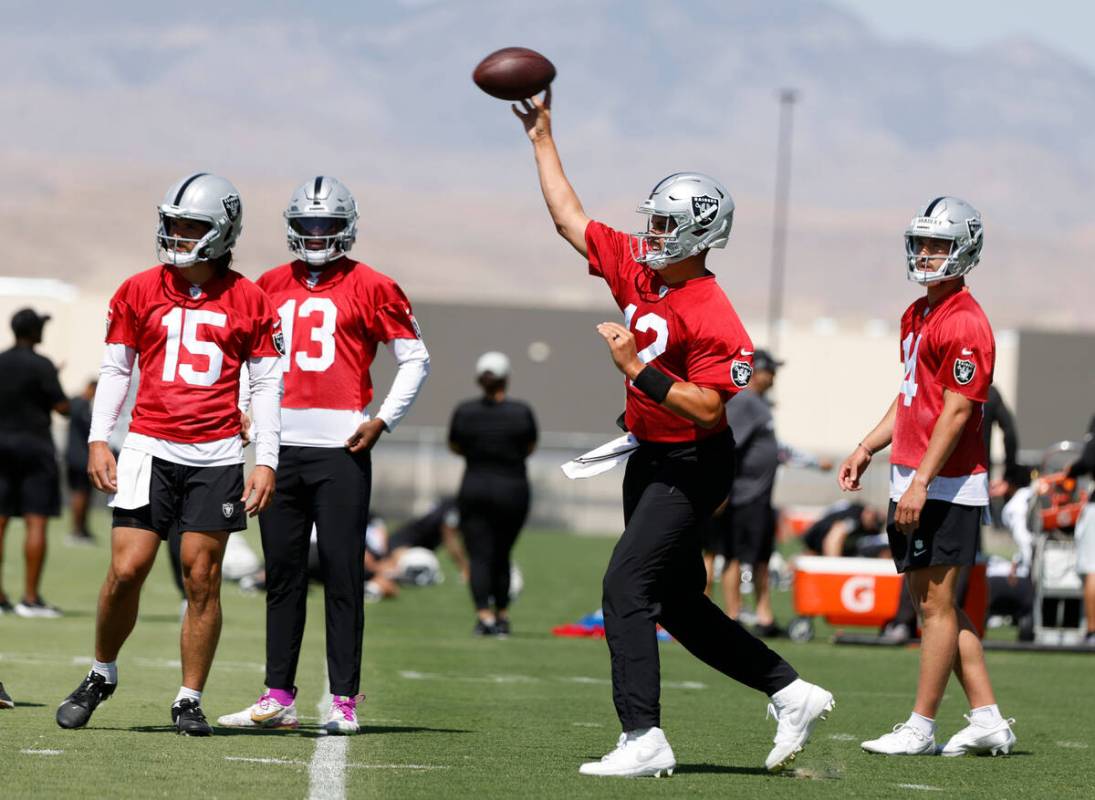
(986,715)
(187,694)
(108,669)
(790,693)
(922,724)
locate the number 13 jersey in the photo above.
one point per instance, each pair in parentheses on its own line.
(689,331)
(333,321)
(190,342)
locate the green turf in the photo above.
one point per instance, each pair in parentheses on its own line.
(491,719)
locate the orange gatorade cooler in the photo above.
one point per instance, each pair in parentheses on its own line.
(862,591)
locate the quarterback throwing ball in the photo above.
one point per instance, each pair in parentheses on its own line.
(684,353)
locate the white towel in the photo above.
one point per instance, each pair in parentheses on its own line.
(601,459)
(134,478)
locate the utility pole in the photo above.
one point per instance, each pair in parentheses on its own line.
(787,98)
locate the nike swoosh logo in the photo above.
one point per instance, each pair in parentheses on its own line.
(263,717)
(917,555)
(747,352)
(967,351)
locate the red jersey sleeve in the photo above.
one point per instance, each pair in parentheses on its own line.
(394,318)
(121,317)
(609,254)
(968,356)
(720,358)
(266,337)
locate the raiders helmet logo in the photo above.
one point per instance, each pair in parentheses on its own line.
(228,509)
(279,342)
(231,205)
(973,225)
(705,208)
(964,370)
(740,373)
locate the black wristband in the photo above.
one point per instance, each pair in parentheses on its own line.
(654,383)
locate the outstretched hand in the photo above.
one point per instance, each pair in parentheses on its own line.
(536,115)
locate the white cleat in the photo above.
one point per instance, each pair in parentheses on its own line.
(637,755)
(265,713)
(903,740)
(796,721)
(980,740)
(342,717)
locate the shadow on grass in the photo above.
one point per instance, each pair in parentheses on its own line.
(21,704)
(718,769)
(408,729)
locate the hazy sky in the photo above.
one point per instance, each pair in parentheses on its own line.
(1067,25)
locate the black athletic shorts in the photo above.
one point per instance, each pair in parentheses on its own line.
(186,498)
(948,535)
(78,480)
(751,531)
(30,480)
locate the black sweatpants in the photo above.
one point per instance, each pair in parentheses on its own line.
(493,509)
(330,487)
(657,575)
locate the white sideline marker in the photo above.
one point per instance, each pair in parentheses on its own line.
(327,770)
(921,787)
(29,752)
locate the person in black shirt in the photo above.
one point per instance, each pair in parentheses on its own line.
(441,526)
(76,454)
(29,478)
(1085,532)
(847,529)
(495,436)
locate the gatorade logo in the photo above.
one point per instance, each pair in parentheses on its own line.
(857,594)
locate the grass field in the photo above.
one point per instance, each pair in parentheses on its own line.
(452,716)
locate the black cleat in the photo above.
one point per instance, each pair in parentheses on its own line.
(78,707)
(768,631)
(483,629)
(501,628)
(189,719)
(5,698)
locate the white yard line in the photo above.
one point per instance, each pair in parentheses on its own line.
(278,761)
(414,675)
(29,752)
(921,787)
(327,770)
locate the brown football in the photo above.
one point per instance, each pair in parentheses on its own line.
(514,73)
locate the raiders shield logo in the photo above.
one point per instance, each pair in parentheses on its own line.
(705,208)
(279,342)
(228,509)
(740,373)
(963,370)
(231,205)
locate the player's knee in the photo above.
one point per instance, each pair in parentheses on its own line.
(936,607)
(127,574)
(201,580)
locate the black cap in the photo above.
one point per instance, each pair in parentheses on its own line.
(763,360)
(27,323)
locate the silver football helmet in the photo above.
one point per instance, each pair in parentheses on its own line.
(688,212)
(203,198)
(321,221)
(950,219)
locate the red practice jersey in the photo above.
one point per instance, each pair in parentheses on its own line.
(689,331)
(332,328)
(947,347)
(190,343)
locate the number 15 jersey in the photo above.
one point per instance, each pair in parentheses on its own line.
(190,342)
(333,321)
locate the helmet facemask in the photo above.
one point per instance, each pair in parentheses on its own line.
(318,240)
(171,247)
(674,235)
(945,219)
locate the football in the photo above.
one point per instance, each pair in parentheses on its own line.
(514,73)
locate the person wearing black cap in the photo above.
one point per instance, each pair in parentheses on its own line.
(745,531)
(29,476)
(494,435)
